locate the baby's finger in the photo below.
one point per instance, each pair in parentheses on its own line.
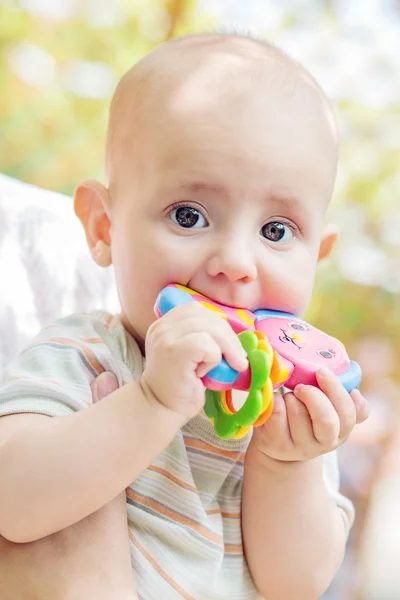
(276,430)
(228,341)
(103,385)
(325,420)
(361,405)
(197,318)
(223,334)
(300,424)
(340,399)
(200,348)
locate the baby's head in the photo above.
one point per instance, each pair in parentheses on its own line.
(221,160)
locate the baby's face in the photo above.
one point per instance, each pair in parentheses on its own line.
(229,200)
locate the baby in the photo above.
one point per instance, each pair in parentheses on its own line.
(221,160)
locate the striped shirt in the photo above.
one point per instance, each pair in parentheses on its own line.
(184,509)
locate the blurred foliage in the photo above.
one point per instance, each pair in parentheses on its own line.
(50,135)
(60,61)
(59,64)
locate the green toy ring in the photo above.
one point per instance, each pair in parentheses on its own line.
(227,424)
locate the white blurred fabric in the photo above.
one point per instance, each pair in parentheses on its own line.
(46,270)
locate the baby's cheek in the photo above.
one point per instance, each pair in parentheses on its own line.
(292,293)
(302,286)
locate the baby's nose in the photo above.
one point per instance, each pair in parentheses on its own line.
(236,262)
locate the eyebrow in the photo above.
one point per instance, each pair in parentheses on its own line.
(202,186)
(288,202)
(291,204)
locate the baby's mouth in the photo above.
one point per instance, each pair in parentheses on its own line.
(223,299)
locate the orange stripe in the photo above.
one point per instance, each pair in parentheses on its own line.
(159,570)
(95,340)
(174,516)
(108,321)
(226,515)
(171,477)
(238,456)
(213,511)
(232,549)
(229,515)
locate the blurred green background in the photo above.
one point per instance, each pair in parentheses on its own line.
(59,64)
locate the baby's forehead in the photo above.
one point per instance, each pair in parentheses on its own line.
(210,75)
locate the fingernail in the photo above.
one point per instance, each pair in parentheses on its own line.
(361,400)
(325,372)
(106,383)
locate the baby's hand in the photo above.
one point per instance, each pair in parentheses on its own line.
(311,421)
(181,347)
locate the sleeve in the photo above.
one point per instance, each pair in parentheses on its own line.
(52,376)
(332,482)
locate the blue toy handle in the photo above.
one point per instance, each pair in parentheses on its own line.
(222,375)
(351,379)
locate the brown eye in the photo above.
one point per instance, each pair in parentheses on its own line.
(188,217)
(276,232)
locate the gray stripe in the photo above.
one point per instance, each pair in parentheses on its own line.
(72,347)
(211,455)
(150,511)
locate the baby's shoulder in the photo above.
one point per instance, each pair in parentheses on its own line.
(100,333)
(91,327)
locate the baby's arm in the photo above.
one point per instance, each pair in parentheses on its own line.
(294,531)
(90,559)
(56,471)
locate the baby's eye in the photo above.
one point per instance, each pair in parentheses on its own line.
(188,217)
(277,232)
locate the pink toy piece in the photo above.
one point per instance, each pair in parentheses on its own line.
(306,349)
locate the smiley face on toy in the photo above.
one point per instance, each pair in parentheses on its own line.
(304,349)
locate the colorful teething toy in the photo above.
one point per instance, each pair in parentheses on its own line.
(281,349)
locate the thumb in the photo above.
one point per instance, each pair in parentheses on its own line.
(103,385)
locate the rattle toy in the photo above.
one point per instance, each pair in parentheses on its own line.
(282,350)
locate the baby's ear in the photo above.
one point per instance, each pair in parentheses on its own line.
(328,240)
(90,205)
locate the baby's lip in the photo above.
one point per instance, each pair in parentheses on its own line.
(241,305)
(218,300)
(227,298)
(231,304)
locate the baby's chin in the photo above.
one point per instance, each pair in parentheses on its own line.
(133,332)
